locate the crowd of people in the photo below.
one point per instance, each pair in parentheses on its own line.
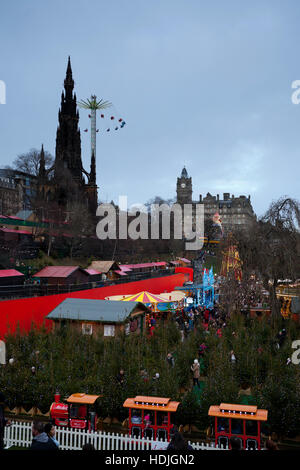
(190,318)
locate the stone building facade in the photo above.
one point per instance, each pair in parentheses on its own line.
(232,213)
(16,191)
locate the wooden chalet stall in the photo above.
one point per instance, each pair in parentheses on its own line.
(62,275)
(103,317)
(11,277)
(150,417)
(93,275)
(10,235)
(143,267)
(106,268)
(259,312)
(184,262)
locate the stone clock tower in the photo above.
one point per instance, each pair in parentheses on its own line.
(184,188)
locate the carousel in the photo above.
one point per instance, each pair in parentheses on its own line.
(161,306)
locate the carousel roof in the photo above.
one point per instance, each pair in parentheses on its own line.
(144,297)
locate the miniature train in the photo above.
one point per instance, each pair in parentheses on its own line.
(150,417)
(240,421)
(78,412)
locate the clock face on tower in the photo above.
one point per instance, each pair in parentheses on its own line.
(182,185)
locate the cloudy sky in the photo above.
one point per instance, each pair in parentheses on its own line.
(205,84)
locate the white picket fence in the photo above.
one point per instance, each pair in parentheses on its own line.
(20,434)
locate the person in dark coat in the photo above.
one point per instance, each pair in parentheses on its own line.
(40,439)
(3,421)
(49,429)
(121,377)
(170,359)
(178,443)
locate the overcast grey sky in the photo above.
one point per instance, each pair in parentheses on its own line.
(206,84)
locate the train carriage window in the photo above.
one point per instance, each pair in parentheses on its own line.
(162,419)
(149,418)
(136,416)
(237,426)
(73,411)
(223,424)
(251,428)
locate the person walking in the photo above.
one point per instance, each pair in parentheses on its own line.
(170,359)
(232,357)
(191,321)
(121,377)
(195,368)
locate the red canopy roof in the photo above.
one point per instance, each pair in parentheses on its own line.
(10,230)
(56,271)
(10,273)
(127,267)
(14,217)
(92,272)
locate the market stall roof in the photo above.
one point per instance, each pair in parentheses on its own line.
(92,272)
(121,273)
(144,297)
(104,266)
(10,273)
(94,310)
(117,297)
(174,296)
(56,271)
(127,267)
(10,230)
(185,260)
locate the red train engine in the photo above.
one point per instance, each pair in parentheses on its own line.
(78,412)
